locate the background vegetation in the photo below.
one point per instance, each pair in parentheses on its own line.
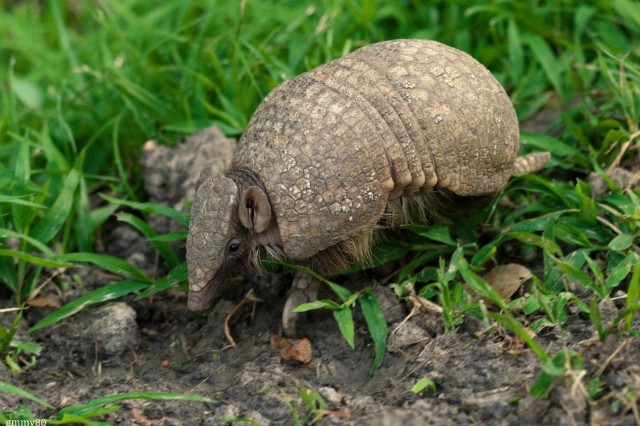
(85,84)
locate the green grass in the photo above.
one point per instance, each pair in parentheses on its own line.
(84,413)
(85,84)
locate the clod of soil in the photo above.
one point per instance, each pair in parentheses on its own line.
(113,328)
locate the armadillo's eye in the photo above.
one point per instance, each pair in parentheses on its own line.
(233,247)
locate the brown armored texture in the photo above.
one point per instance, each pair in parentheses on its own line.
(391,133)
(398,118)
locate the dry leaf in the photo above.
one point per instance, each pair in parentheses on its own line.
(43,302)
(292,349)
(343,413)
(505,279)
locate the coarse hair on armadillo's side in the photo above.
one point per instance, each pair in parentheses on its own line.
(356,249)
(419,209)
(328,261)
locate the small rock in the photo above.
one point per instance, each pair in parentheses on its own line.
(113,327)
(170,174)
(359,405)
(223,414)
(531,409)
(331,395)
(622,178)
(406,334)
(608,312)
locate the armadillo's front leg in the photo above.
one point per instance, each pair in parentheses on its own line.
(304,289)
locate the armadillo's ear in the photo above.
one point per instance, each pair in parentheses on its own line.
(254,209)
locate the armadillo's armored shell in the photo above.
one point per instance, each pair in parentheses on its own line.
(333,145)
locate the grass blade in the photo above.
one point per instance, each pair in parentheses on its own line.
(180,217)
(544,382)
(109,263)
(8,273)
(555,146)
(170,237)
(422,384)
(6,387)
(342,292)
(19,200)
(317,304)
(344,318)
(479,285)
(83,409)
(516,55)
(57,215)
(621,270)
(8,233)
(377,327)
(84,234)
(547,60)
(176,276)
(629,11)
(103,294)
(544,243)
(633,295)
(162,247)
(47,263)
(440,234)
(621,242)
(578,275)
(509,322)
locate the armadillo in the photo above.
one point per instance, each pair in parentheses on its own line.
(335,153)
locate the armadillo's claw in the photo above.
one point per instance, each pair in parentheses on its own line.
(303,290)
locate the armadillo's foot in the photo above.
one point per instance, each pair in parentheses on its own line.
(304,289)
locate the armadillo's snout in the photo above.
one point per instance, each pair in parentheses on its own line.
(202,289)
(200,301)
(202,284)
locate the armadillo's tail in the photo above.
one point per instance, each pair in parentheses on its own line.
(531,162)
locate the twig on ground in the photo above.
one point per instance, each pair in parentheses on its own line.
(248,298)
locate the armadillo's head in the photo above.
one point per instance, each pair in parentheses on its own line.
(225,220)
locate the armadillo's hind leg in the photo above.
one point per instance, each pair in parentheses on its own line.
(304,289)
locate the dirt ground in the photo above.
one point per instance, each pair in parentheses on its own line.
(482,376)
